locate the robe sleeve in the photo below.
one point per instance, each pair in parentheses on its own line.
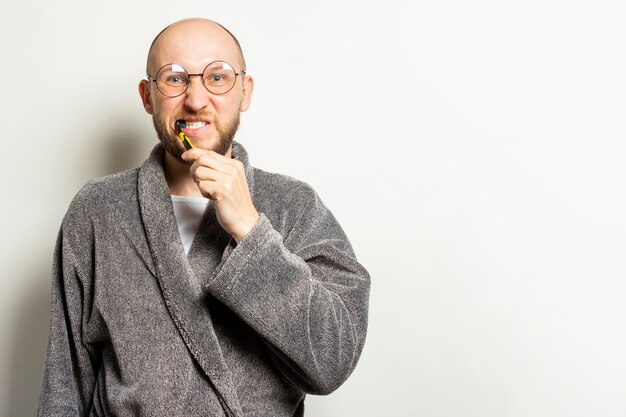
(70,371)
(304,293)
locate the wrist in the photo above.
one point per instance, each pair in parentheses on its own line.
(246,228)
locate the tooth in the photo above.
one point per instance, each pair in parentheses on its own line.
(195,125)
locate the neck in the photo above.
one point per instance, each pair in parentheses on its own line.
(178,177)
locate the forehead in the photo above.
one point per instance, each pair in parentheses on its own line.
(193,44)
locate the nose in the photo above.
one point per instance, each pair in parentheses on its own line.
(197,96)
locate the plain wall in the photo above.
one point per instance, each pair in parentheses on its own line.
(472,151)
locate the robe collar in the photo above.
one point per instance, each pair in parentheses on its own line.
(182,278)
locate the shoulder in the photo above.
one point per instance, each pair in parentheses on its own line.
(102,194)
(269,187)
(114,186)
(291,204)
(279,190)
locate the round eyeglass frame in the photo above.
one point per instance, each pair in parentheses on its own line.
(155,81)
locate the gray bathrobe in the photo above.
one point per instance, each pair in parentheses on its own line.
(140,329)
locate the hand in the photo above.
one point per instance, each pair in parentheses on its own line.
(223,180)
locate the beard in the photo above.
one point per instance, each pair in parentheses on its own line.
(171,142)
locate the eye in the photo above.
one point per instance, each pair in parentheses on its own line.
(175,79)
(215,78)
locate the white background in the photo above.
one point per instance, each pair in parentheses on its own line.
(473,152)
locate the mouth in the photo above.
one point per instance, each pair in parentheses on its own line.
(189,127)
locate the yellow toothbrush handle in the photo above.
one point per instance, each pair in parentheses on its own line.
(185,140)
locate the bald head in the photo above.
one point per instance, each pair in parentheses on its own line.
(185,35)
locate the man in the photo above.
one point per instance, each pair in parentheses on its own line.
(236,308)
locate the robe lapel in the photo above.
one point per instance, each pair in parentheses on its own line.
(181,286)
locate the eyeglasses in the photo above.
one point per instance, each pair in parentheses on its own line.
(218,77)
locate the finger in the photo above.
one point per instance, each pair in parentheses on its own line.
(212,190)
(203,173)
(207,166)
(218,162)
(193,154)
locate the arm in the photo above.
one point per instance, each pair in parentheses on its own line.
(304,293)
(70,368)
(301,289)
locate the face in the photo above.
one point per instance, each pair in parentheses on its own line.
(215,118)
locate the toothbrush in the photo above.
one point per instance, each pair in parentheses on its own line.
(184,139)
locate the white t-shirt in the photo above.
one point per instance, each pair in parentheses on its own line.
(188,212)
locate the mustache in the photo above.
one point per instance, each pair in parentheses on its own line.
(200,115)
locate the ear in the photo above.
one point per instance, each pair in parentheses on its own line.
(248,87)
(146,99)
